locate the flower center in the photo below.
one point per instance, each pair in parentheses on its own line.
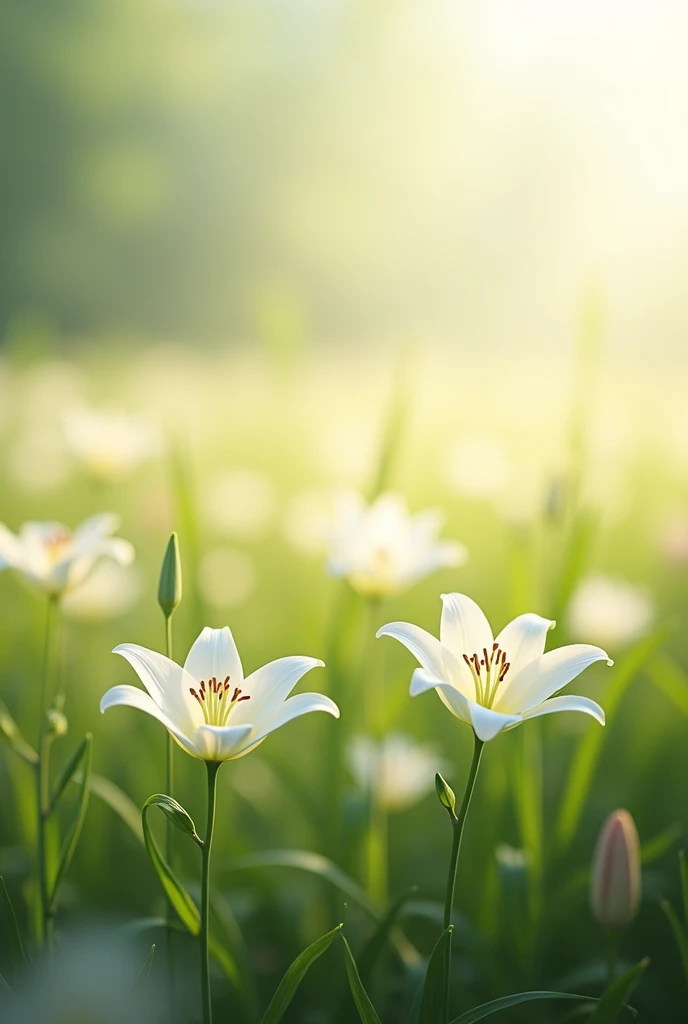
(488,672)
(56,546)
(214,698)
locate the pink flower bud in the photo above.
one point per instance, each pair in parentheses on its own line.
(615,884)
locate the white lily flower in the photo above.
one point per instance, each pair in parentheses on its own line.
(400,770)
(382,549)
(210,709)
(56,559)
(611,611)
(109,442)
(494,684)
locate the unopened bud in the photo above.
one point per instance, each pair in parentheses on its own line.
(179,817)
(445,794)
(57,723)
(615,883)
(170,585)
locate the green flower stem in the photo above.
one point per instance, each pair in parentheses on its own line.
(46,916)
(169,767)
(612,954)
(458,822)
(371,702)
(212,767)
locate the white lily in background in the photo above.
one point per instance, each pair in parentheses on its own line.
(494,684)
(382,549)
(210,709)
(110,591)
(55,559)
(400,770)
(109,442)
(611,611)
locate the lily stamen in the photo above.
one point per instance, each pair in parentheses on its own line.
(210,699)
(495,668)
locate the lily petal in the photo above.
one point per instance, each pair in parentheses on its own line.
(523,639)
(167,683)
(488,723)
(222,742)
(272,684)
(451,696)
(572,703)
(545,675)
(423,645)
(294,707)
(132,697)
(97,527)
(463,627)
(214,653)
(10,548)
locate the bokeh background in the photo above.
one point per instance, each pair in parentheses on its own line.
(435,246)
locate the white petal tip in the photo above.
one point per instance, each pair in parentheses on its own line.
(610,662)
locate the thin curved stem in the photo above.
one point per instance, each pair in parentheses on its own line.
(212,767)
(458,822)
(43,777)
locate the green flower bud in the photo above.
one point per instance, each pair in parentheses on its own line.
(179,817)
(57,723)
(445,794)
(170,585)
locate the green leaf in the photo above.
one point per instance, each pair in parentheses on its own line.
(366,1010)
(142,977)
(671,679)
(286,990)
(679,934)
(71,840)
(12,735)
(68,772)
(4,987)
(314,864)
(433,1007)
(118,801)
(496,1005)
(656,847)
(590,747)
(18,957)
(375,945)
(615,995)
(176,893)
(175,813)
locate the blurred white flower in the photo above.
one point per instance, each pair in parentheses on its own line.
(54,559)
(109,591)
(243,505)
(494,684)
(308,521)
(382,549)
(401,770)
(109,443)
(610,611)
(37,460)
(226,577)
(477,466)
(673,540)
(210,709)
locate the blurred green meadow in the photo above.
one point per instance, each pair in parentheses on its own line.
(257,255)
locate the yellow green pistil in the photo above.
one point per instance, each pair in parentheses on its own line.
(215,701)
(488,672)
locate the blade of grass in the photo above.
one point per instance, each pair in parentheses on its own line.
(366,1010)
(287,987)
(590,747)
